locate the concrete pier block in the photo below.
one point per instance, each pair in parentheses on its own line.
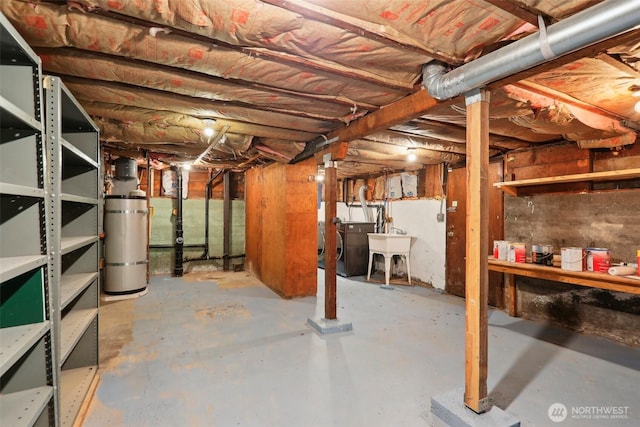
(449,410)
(329,326)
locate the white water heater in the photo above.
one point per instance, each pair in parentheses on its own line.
(125,228)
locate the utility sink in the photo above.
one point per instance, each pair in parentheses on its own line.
(389,245)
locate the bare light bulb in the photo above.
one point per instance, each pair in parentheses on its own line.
(208,131)
(412,156)
(186,166)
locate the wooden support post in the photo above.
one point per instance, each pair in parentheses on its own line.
(226,220)
(330,248)
(512,294)
(477,273)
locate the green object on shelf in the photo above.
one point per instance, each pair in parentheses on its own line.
(22,300)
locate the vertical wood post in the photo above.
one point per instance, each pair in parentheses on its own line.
(477,274)
(330,249)
(512,294)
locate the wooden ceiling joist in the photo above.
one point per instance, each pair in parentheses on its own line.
(389,36)
(232,83)
(281,57)
(516,10)
(589,51)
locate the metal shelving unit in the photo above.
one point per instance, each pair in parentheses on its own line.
(73,144)
(27,357)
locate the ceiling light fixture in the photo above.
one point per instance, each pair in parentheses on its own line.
(208,127)
(412,154)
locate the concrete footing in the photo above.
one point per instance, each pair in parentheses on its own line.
(329,326)
(449,410)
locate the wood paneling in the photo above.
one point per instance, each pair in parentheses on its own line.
(253,221)
(562,159)
(456,240)
(281,223)
(429,180)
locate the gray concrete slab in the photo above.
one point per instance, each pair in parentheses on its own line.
(448,409)
(221,349)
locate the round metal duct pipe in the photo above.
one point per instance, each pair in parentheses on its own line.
(593,25)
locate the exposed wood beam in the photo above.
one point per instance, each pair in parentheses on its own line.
(400,165)
(337,150)
(406,139)
(477,250)
(618,65)
(134,96)
(115,113)
(566,99)
(453,133)
(589,51)
(406,109)
(211,103)
(388,35)
(233,83)
(382,156)
(272,55)
(516,10)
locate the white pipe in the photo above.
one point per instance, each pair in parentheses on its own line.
(593,25)
(368,217)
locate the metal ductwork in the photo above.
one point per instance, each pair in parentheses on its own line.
(593,25)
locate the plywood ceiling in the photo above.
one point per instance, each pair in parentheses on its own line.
(276,75)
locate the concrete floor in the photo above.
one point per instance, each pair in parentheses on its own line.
(221,349)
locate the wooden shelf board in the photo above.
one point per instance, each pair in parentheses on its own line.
(22,408)
(581,278)
(17,340)
(511,186)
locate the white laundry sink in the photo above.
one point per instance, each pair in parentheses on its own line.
(389,245)
(392,244)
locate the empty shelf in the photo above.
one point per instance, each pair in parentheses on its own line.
(13,117)
(17,340)
(21,190)
(73,325)
(78,199)
(73,156)
(73,284)
(22,408)
(14,266)
(74,386)
(69,244)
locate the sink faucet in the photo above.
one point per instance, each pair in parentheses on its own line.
(395,230)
